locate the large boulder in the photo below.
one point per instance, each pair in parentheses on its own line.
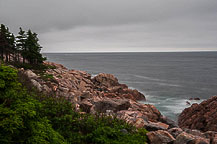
(152,126)
(36,84)
(145,111)
(111,104)
(200,116)
(133,94)
(160,137)
(30,74)
(186,138)
(105,80)
(150,112)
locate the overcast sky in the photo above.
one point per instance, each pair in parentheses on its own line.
(116,25)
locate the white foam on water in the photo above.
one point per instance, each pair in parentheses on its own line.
(148,78)
(93,75)
(167,84)
(170,107)
(134,82)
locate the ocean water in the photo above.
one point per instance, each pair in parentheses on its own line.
(167,79)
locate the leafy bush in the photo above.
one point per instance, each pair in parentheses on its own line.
(29,118)
(46,77)
(86,128)
(51,67)
(20,118)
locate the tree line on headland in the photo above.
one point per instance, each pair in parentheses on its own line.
(23,48)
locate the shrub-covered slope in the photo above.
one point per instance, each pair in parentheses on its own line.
(29,118)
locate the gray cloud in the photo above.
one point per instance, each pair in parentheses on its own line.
(116,25)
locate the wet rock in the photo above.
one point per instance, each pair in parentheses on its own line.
(200,116)
(188,103)
(194,98)
(160,137)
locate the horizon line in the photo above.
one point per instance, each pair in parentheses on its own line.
(132,51)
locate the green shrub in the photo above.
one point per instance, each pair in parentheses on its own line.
(20,118)
(86,128)
(51,67)
(46,77)
(29,118)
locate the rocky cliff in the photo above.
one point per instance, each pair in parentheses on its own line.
(201,116)
(104,94)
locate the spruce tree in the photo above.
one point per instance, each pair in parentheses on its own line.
(33,48)
(26,44)
(5,38)
(2,42)
(20,42)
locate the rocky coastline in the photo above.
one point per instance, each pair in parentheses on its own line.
(104,94)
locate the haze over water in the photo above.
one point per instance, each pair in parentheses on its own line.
(167,79)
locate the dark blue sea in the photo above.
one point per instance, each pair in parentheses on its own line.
(167,79)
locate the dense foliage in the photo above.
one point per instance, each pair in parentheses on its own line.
(20,118)
(29,118)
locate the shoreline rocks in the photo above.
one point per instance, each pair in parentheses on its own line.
(104,94)
(200,116)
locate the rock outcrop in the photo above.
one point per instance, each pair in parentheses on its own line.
(200,116)
(104,94)
(110,85)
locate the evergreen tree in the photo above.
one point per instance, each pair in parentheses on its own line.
(33,48)
(21,39)
(26,44)
(11,43)
(5,46)
(2,42)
